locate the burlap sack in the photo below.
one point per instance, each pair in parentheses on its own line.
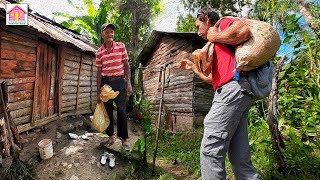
(262,45)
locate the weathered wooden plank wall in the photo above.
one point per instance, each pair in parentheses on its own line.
(17,67)
(202,97)
(59,82)
(178,84)
(78,82)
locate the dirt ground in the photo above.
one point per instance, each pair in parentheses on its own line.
(74,159)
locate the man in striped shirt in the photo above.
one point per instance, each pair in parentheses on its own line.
(114,70)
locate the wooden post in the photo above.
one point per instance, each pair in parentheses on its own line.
(162,72)
(276,136)
(36,89)
(91,85)
(61,68)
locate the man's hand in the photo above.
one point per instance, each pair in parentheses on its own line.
(186,64)
(212,33)
(129,89)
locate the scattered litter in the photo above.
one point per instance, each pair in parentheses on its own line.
(73,136)
(90,134)
(84,137)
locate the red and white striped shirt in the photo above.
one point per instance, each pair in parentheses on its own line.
(112,61)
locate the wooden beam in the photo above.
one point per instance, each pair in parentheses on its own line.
(36,88)
(61,52)
(93,75)
(39,122)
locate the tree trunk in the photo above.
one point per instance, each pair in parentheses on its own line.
(276,136)
(303,7)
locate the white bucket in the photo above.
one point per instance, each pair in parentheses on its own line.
(45,148)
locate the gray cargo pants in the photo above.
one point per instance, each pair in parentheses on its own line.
(225,130)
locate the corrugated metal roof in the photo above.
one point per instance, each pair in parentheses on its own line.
(154,40)
(56,31)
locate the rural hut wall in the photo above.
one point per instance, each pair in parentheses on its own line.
(79,82)
(17,68)
(46,79)
(178,91)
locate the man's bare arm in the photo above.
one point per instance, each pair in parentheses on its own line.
(237,33)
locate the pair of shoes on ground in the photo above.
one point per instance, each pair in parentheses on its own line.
(108,156)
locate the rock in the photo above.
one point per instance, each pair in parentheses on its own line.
(58,135)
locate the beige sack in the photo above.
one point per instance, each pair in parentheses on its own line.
(262,45)
(100,120)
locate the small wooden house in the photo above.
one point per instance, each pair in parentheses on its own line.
(186,99)
(49,71)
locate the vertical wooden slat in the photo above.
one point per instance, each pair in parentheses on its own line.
(91,85)
(61,68)
(44,68)
(53,73)
(48,80)
(36,88)
(56,81)
(78,92)
(0,42)
(40,81)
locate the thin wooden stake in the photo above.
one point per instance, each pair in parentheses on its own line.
(162,72)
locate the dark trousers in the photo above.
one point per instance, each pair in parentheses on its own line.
(117,84)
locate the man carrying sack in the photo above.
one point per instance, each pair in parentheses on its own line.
(114,70)
(225,125)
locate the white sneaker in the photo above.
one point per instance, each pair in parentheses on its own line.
(112,160)
(104,158)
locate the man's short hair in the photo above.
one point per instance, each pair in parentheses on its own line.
(212,15)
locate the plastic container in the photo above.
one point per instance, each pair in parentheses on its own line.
(45,148)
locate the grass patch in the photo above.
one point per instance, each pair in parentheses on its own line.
(301,162)
(182,148)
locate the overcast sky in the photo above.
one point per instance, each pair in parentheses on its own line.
(165,22)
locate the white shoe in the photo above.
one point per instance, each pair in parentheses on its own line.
(112,160)
(104,158)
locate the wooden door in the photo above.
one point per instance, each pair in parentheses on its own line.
(45,91)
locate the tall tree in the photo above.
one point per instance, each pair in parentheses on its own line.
(138,14)
(131,17)
(89,25)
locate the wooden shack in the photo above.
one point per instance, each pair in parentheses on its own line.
(49,71)
(186,99)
